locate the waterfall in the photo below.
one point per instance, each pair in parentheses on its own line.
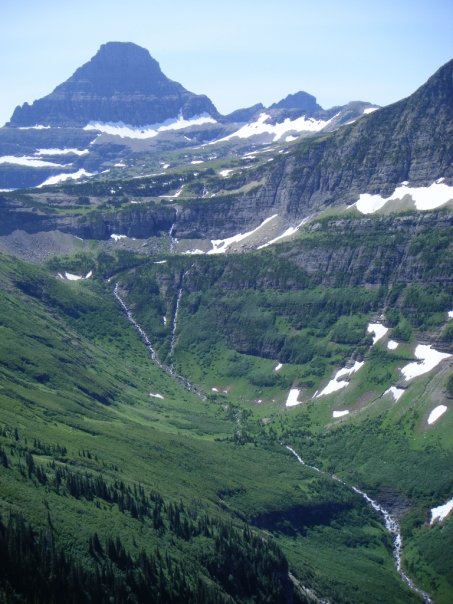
(154,357)
(391,524)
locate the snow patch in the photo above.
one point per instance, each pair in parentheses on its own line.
(225,173)
(428,359)
(397,393)
(450,314)
(370,110)
(71,277)
(278,367)
(441,512)
(378,331)
(54,180)
(35,127)
(156,395)
(337,383)
(30,162)
(293,395)
(160,262)
(425,198)
(290,231)
(220,245)
(116,237)
(150,130)
(71,151)
(392,345)
(436,413)
(301,124)
(193,252)
(340,413)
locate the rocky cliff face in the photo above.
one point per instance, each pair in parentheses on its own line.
(121,83)
(378,251)
(411,140)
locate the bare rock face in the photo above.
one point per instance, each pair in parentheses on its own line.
(121,83)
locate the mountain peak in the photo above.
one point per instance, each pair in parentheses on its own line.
(299,100)
(121,83)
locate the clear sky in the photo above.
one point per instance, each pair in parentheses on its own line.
(238,52)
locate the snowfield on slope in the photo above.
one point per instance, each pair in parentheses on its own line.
(260,126)
(150,130)
(436,413)
(292,399)
(425,198)
(29,162)
(378,331)
(337,383)
(441,512)
(428,359)
(397,393)
(54,180)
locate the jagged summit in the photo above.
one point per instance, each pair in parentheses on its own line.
(121,83)
(299,100)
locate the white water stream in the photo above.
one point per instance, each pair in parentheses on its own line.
(391,524)
(154,357)
(175,318)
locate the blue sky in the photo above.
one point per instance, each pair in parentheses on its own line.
(238,52)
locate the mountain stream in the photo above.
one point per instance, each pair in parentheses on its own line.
(391,524)
(153,354)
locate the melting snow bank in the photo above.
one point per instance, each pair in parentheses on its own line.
(54,180)
(425,198)
(278,367)
(429,359)
(441,512)
(293,395)
(436,413)
(30,162)
(72,277)
(71,151)
(220,245)
(337,383)
(168,370)
(340,413)
(116,237)
(397,393)
(290,231)
(301,124)
(157,395)
(390,523)
(150,130)
(392,345)
(378,331)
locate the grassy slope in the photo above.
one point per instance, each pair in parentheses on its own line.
(238,316)
(76,375)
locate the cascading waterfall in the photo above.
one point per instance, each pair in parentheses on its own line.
(173,239)
(141,331)
(175,318)
(391,524)
(154,357)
